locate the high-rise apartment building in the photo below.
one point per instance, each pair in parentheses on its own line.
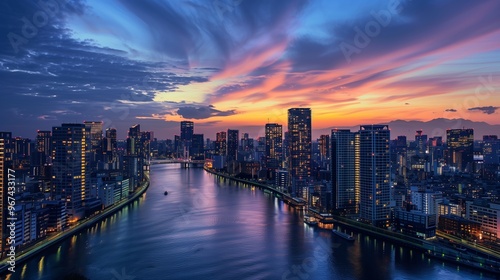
(274,146)
(324,147)
(43,141)
(70,175)
(345,170)
(300,147)
(95,145)
(186,139)
(220,144)
(374,174)
(232,144)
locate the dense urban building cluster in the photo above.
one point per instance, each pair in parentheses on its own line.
(413,186)
(66,174)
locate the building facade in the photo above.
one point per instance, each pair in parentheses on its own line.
(375,174)
(300,149)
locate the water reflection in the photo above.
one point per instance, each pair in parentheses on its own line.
(211,228)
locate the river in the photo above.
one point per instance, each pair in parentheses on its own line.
(210,228)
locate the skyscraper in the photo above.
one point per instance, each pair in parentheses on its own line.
(420,143)
(95,147)
(197,149)
(220,143)
(374,174)
(70,170)
(95,132)
(491,149)
(300,146)
(187,130)
(345,170)
(111,140)
(324,147)
(132,165)
(43,141)
(110,148)
(460,153)
(274,146)
(232,144)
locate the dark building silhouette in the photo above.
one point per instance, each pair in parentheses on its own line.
(232,144)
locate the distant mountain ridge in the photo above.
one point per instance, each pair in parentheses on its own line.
(438,127)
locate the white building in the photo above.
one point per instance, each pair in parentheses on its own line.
(488,215)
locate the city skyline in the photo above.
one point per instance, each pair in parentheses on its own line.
(249,139)
(231,70)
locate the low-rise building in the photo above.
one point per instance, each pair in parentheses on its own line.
(458,226)
(488,215)
(415,223)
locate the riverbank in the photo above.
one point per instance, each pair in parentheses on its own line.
(37,248)
(297,203)
(431,250)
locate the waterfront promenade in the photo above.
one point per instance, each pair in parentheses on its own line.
(488,262)
(28,252)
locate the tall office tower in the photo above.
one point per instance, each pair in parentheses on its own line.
(95,146)
(111,140)
(70,172)
(345,170)
(110,148)
(421,143)
(146,138)
(374,174)
(232,144)
(134,140)
(491,149)
(324,147)
(436,152)
(132,165)
(400,155)
(220,144)
(460,153)
(187,130)
(198,147)
(299,165)
(22,151)
(43,141)
(274,147)
(41,155)
(246,143)
(286,150)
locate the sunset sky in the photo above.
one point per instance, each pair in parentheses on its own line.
(241,63)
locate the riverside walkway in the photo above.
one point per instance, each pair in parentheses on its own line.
(39,247)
